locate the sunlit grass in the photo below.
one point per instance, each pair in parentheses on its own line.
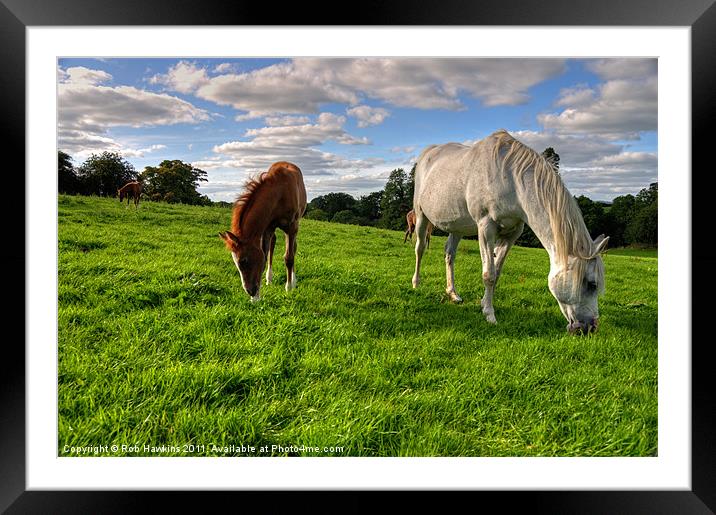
(159,345)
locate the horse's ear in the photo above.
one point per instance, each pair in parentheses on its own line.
(600,244)
(229,237)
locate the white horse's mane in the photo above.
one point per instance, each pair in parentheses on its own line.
(570,233)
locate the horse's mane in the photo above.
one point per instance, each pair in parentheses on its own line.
(570,233)
(245,200)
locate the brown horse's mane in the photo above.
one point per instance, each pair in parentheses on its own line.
(244,201)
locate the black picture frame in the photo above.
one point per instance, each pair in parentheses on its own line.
(699,15)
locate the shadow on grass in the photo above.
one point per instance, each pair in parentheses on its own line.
(466,318)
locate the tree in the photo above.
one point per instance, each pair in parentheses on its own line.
(316,214)
(644,226)
(174,181)
(552,158)
(594,216)
(104,174)
(368,207)
(67,181)
(345,217)
(621,213)
(647,196)
(396,201)
(332,203)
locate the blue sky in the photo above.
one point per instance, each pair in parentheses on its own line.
(348,122)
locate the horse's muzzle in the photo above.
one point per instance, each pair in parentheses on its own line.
(583,328)
(253,293)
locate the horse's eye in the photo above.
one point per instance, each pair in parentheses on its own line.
(591,285)
(243,261)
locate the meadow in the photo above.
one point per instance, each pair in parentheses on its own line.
(159,347)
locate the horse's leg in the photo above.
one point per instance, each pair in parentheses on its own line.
(450,251)
(421,226)
(407,232)
(289,257)
(503,246)
(269,243)
(487,231)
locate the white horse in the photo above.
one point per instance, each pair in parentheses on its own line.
(492,189)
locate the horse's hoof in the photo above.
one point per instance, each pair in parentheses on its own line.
(416,282)
(455,297)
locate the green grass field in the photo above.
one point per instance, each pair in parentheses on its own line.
(159,346)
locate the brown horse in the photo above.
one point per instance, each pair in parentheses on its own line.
(276,198)
(132,190)
(410,218)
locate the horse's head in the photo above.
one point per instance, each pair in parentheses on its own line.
(577,287)
(249,259)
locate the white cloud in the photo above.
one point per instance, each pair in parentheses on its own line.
(92,144)
(621,110)
(367,115)
(99,107)
(328,127)
(573,150)
(628,159)
(87,110)
(429,83)
(62,75)
(224,68)
(81,75)
(184,77)
(279,89)
(287,120)
(404,150)
(140,152)
(295,143)
(83,143)
(625,68)
(303,85)
(587,132)
(576,96)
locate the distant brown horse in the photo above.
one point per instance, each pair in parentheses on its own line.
(276,198)
(131,190)
(410,218)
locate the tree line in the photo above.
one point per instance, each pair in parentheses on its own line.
(628,219)
(103,174)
